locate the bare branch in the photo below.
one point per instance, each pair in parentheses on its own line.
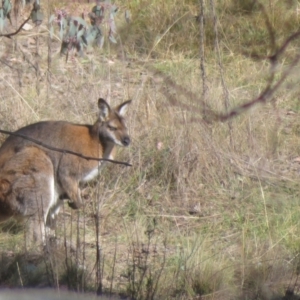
(262,98)
(64,151)
(9,35)
(205,112)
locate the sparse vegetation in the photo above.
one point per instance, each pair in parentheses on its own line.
(208,210)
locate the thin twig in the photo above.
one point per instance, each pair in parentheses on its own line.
(19,273)
(9,35)
(218,54)
(202,54)
(65,151)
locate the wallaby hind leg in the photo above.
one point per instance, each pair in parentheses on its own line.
(43,198)
(27,190)
(35,231)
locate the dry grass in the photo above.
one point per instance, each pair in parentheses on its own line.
(205,211)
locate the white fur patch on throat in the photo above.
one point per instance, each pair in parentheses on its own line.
(95,172)
(92,174)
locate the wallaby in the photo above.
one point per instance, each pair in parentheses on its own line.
(67,170)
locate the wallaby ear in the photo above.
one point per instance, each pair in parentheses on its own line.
(122,108)
(5,187)
(104,109)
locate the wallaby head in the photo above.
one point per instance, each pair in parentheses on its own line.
(112,127)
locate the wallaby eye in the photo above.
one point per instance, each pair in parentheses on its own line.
(112,128)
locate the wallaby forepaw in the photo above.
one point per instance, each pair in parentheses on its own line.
(73,205)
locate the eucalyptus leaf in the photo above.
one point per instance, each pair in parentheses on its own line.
(72,29)
(64,47)
(6,7)
(98,11)
(52,18)
(51,29)
(79,49)
(82,24)
(114,9)
(91,36)
(64,24)
(127,16)
(111,17)
(33,16)
(112,39)
(77,34)
(61,30)
(39,17)
(80,33)
(112,25)
(101,42)
(84,40)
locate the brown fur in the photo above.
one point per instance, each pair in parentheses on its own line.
(25,189)
(23,165)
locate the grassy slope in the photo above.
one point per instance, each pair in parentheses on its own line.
(206,209)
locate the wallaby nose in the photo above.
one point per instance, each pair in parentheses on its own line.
(126,141)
